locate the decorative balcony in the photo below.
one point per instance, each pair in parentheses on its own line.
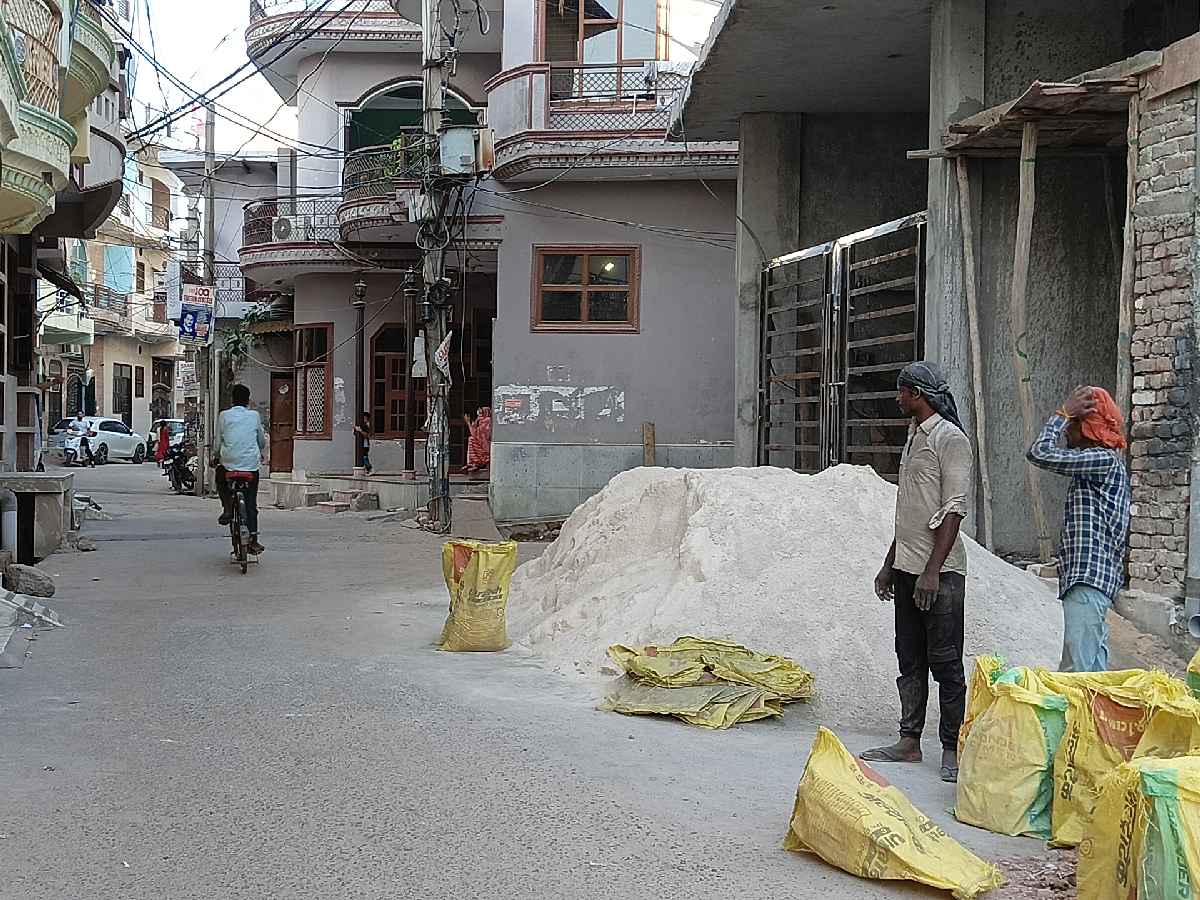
(357,26)
(93,55)
(554,116)
(283,237)
(371,178)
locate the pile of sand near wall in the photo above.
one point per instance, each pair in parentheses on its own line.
(781,562)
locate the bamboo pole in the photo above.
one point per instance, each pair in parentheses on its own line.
(1124,393)
(1020,289)
(971,281)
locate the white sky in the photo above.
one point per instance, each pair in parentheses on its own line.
(201,43)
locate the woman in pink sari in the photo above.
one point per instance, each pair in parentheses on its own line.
(479,446)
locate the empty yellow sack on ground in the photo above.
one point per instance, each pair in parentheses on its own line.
(1144,841)
(1108,716)
(691,661)
(717,705)
(848,815)
(1006,764)
(477,575)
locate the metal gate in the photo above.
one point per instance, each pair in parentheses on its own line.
(837,324)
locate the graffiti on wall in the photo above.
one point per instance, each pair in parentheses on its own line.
(558,405)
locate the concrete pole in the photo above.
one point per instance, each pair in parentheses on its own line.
(433,77)
(209,376)
(768,205)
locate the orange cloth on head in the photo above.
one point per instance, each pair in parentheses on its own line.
(1104,424)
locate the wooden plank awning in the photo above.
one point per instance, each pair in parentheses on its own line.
(271,326)
(1088,115)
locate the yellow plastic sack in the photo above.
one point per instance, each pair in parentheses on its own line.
(848,815)
(1107,718)
(1144,841)
(477,575)
(1193,675)
(979,694)
(691,661)
(1006,764)
(717,705)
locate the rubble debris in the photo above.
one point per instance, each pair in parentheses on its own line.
(766,557)
(22,579)
(1038,878)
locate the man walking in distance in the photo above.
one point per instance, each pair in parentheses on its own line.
(925,571)
(1095,530)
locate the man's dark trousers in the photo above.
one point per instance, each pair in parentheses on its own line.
(931,641)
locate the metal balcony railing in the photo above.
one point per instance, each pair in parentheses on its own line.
(308,219)
(378,171)
(35,26)
(262,9)
(611,97)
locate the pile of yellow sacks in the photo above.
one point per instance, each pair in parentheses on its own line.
(710,683)
(1106,761)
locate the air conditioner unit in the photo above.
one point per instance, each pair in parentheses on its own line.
(291,228)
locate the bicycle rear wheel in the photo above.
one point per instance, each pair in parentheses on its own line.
(243,548)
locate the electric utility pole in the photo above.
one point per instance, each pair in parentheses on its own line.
(435,310)
(207,354)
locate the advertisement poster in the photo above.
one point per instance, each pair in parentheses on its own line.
(196,314)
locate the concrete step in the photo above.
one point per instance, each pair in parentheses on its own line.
(332,506)
(312,498)
(346,496)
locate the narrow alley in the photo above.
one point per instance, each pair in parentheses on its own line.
(192,732)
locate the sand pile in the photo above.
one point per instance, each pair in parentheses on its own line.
(781,562)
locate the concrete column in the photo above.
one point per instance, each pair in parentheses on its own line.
(768,206)
(956,90)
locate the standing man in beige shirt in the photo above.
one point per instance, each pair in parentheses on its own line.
(925,570)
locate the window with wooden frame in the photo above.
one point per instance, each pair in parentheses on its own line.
(314,381)
(600,46)
(139,381)
(585,289)
(140,278)
(390,350)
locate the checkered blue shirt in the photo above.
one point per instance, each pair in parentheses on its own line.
(1095,530)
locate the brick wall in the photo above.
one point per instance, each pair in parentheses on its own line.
(1163,342)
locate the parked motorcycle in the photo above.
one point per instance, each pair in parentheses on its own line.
(179,466)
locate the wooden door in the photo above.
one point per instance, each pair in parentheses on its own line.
(283,421)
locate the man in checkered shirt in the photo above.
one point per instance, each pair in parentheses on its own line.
(1084,440)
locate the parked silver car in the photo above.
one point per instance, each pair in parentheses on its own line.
(107,437)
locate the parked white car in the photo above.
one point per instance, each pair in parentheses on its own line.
(108,439)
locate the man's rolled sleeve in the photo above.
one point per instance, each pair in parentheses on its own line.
(956,467)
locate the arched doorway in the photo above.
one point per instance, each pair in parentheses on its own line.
(395,111)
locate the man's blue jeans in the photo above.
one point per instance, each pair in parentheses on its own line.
(1085,629)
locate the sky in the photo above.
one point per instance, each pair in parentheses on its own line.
(201,43)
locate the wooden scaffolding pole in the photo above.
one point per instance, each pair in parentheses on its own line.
(971,280)
(1020,287)
(1128,266)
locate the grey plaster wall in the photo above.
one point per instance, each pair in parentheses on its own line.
(677,372)
(1048,40)
(855,174)
(1072,317)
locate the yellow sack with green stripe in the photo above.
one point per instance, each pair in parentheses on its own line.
(1144,841)
(1193,675)
(1006,763)
(849,816)
(1108,717)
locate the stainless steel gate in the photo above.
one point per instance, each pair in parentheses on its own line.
(837,323)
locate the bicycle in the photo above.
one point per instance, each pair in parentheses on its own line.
(239,483)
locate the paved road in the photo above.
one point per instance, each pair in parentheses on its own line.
(194,733)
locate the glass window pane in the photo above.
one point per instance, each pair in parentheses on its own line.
(562,306)
(562,30)
(600,43)
(560,269)
(608,269)
(608,306)
(639,30)
(601,9)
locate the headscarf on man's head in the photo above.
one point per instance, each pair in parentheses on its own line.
(927,378)
(1104,424)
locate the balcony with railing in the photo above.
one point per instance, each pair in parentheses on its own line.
(35,27)
(291,220)
(380,171)
(93,56)
(110,310)
(601,114)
